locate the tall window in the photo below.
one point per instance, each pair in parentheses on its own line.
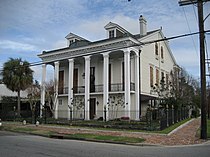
(151,76)
(61,82)
(157,77)
(167,79)
(161,52)
(162,76)
(156,49)
(111,34)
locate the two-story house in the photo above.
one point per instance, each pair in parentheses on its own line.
(109,78)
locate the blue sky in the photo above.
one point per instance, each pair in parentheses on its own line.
(29,27)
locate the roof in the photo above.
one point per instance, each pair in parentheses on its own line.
(111,25)
(72,35)
(4,91)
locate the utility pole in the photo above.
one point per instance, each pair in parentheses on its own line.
(203,134)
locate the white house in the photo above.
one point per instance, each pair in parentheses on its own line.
(109,78)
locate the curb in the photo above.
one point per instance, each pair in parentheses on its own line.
(63,136)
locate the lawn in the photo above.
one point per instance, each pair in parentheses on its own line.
(106,138)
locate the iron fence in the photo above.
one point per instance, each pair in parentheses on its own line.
(156,119)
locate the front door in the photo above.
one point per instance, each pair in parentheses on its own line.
(92,108)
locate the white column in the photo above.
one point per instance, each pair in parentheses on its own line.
(127,82)
(70,88)
(87,87)
(137,92)
(105,85)
(56,77)
(43,88)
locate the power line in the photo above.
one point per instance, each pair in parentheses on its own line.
(190,32)
(142,43)
(175,37)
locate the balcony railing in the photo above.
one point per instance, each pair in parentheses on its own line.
(115,87)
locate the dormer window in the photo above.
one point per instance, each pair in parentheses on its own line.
(71,41)
(73,38)
(115,31)
(111,34)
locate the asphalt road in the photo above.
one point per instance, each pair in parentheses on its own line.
(20,145)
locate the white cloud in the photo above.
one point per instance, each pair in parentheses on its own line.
(13,45)
(42,25)
(60,44)
(37,75)
(189,59)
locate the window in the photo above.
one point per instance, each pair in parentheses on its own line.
(60,102)
(71,41)
(111,34)
(61,82)
(151,76)
(157,77)
(161,52)
(156,49)
(162,77)
(167,79)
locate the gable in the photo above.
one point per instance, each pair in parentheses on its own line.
(158,35)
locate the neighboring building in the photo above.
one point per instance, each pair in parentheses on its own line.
(7,108)
(4,91)
(109,78)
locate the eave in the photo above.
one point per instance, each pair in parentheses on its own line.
(94,48)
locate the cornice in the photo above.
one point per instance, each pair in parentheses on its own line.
(98,48)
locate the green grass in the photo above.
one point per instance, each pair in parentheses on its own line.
(208,128)
(27,130)
(23,130)
(106,138)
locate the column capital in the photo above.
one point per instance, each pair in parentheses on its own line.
(106,54)
(56,63)
(43,65)
(87,57)
(126,50)
(71,60)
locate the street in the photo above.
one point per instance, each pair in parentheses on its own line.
(21,145)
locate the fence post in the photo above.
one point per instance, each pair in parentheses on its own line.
(45,114)
(172,114)
(14,112)
(167,115)
(105,113)
(70,113)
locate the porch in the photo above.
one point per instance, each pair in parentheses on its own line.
(115,87)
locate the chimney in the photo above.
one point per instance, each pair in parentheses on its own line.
(143,26)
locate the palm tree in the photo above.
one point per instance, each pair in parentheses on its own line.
(17,76)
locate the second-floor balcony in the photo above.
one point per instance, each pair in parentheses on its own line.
(115,87)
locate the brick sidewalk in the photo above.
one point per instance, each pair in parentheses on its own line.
(184,136)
